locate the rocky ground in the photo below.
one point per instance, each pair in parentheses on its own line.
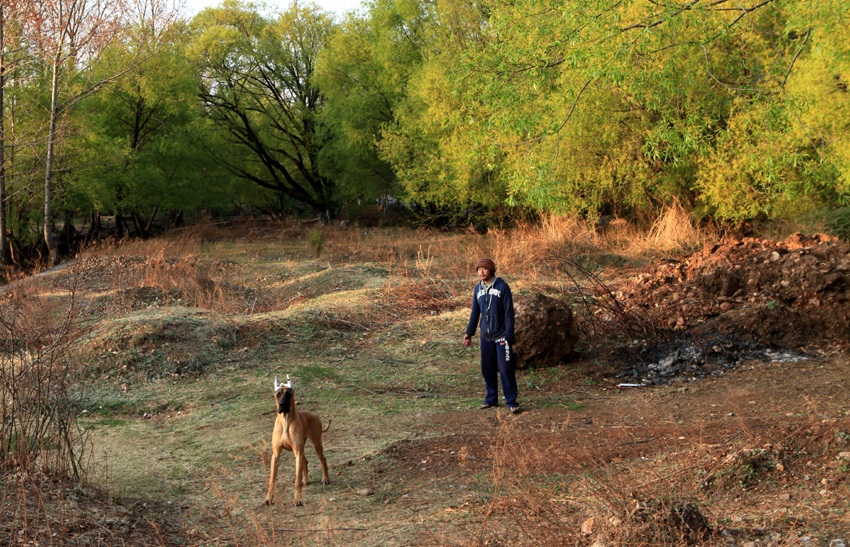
(739,300)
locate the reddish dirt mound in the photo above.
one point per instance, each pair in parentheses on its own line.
(786,294)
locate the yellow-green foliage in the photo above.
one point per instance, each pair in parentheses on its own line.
(584,108)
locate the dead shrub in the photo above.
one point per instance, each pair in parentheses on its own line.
(37,404)
(40,442)
(675,229)
(669,521)
(599,310)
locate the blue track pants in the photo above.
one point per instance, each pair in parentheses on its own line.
(497,363)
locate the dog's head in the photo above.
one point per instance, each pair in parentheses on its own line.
(284,396)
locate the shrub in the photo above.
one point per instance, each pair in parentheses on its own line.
(37,411)
(838,222)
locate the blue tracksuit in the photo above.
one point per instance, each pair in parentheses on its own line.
(493,312)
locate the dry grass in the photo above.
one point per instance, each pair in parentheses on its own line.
(430,273)
(427,271)
(674,229)
(528,249)
(587,497)
(589,490)
(525,251)
(547,496)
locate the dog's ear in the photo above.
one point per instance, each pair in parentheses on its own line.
(288,382)
(276,384)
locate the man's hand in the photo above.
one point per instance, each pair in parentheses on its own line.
(467,340)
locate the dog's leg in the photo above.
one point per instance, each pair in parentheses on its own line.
(320,452)
(276,450)
(299,470)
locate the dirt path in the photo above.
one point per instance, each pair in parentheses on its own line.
(40,275)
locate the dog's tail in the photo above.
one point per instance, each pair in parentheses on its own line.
(328,426)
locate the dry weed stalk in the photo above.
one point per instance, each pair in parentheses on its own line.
(238,522)
(566,493)
(38,429)
(526,507)
(600,311)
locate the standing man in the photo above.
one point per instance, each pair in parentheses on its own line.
(493,308)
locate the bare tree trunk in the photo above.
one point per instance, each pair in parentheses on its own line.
(49,224)
(5,254)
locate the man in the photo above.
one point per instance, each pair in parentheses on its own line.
(493,312)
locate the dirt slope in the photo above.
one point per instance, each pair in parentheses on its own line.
(787,293)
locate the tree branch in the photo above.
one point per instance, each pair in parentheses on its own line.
(747,11)
(645,26)
(796,55)
(569,114)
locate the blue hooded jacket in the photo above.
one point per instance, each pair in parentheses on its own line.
(494,306)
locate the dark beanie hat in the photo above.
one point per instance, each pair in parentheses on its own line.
(486,263)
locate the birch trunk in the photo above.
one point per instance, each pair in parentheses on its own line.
(49,225)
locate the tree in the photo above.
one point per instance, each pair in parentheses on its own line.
(363,73)
(70,36)
(437,142)
(588,108)
(401,123)
(144,146)
(257,85)
(621,107)
(11,53)
(5,254)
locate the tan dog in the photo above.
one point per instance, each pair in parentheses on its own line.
(291,431)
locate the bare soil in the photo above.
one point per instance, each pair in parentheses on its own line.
(691,440)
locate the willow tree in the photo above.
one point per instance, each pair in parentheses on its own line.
(363,73)
(257,86)
(786,149)
(739,111)
(623,106)
(144,155)
(437,143)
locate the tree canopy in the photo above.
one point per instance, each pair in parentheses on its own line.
(737,111)
(256,77)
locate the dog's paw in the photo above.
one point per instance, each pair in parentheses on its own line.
(326,481)
(298,503)
(268,501)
